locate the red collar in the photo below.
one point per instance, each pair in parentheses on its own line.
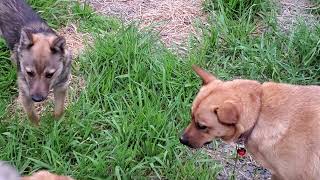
(243,140)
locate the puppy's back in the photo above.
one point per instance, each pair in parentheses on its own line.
(290,117)
(15,14)
(278,93)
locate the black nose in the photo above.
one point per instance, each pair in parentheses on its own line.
(37,98)
(184,140)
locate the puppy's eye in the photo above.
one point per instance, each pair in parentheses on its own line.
(30,73)
(216,111)
(201,126)
(49,75)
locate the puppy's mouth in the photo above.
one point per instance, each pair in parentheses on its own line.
(197,147)
(206,143)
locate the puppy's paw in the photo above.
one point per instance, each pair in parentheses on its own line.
(35,119)
(57,114)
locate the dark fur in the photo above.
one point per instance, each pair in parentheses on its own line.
(15,15)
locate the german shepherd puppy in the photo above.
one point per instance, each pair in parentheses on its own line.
(43,63)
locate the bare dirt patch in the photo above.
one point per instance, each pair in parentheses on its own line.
(76,41)
(173,19)
(291,11)
(246,168)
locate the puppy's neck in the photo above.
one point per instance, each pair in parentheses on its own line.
(243,138)
(251,110)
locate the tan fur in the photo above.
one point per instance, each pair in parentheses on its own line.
(41,50)
(285,123)
(45,175)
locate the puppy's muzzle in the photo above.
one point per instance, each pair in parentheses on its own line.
(184,141)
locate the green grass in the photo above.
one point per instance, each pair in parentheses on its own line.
(316,8)
(126,122)
(7,79)
(55,12)
(230,49)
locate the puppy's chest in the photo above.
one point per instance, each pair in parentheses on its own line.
(260,150)
(269,130)
(265,136)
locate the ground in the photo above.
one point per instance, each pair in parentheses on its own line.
(173,20)
(291,11)
(130,97)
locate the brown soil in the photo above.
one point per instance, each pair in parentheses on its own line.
(291,11)
(246,168)
(173,19)
(76,41)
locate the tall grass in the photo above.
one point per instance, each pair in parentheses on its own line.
(232,48)
(7,79)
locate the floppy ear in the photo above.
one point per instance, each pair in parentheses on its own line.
(227,113)
(26,39)
(204,75)
(58,45)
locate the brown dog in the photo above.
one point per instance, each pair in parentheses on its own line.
(279,123)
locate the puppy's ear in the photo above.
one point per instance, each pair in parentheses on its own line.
(26,39)
(58,45)
(227,113)
(204,75)
(68,57)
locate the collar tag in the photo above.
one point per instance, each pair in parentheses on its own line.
(241,150)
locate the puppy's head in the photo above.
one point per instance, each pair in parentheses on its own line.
(218,110)
(41,58)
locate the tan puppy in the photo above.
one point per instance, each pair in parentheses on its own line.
(279,123)
(45,175)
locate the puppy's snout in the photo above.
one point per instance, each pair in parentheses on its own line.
(184,140)
(37,98)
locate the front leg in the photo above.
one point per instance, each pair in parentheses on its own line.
(28,106)
(59,98)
